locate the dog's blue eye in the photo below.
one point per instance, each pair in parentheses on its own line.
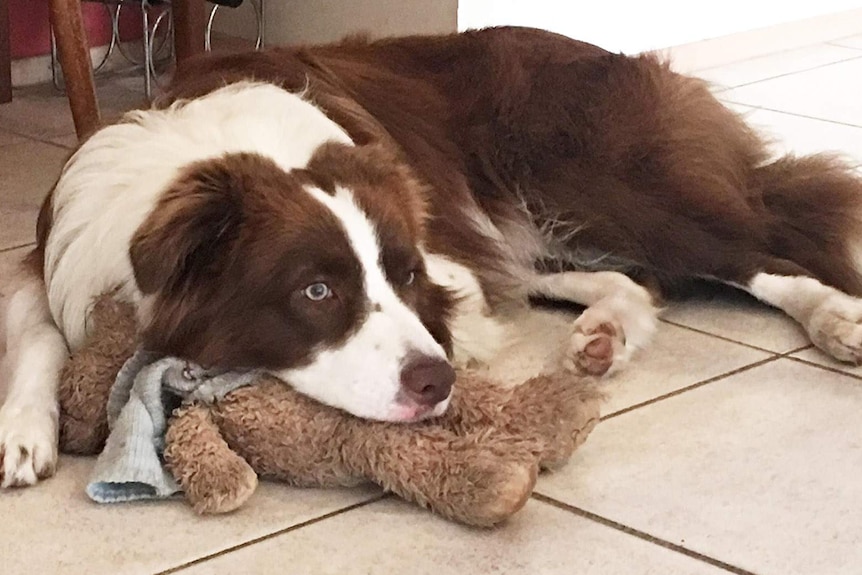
(317,292)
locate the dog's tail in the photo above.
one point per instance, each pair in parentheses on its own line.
(813,207)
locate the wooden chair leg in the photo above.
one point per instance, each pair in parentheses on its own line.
(189,26)
(74,56)
(5,54)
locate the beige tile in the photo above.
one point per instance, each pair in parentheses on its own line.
(54,528)
(773,65)
(42,112)
(68,141)
(799,135)
(676,359)
(392,537)
(760,470)
(849,42)
(739,318)
(814,355)
(38,111)
(830,92)
(7,138)
(17,225)
(29,171)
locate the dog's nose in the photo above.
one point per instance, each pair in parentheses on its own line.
(427,380)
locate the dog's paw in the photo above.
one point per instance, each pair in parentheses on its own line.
(836,328)
(606,335)
(596,344)
(28,445)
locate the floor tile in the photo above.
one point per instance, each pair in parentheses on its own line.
(799,135)
(29,171)
(17,225)
(814,355)
(849,42)
(38,111)
(54,529)
(540,540)
(42,112)
(773,65)
(7,138)
(69,141)
(740,318)
(676,359)
(830,92)
(759,470)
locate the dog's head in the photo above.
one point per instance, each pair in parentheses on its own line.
(314,275)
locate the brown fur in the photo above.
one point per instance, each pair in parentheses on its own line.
(221,210)
(477,464)
(550,134)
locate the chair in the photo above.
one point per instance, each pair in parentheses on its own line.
(190,22)
(155,18)
(5,54)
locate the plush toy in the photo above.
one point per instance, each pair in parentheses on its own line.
(477,464)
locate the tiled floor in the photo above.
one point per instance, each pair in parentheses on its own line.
(729,446)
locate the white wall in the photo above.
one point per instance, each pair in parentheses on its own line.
(295,21)
(634,26)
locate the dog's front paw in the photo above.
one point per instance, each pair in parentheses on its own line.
(28,445)
(597,343)
(608,333)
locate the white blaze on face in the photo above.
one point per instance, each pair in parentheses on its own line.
(363,375)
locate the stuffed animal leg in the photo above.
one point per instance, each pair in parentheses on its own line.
(214,478)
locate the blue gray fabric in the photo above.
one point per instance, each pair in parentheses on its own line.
(130,466)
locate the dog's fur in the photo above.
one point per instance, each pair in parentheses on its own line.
(437,183)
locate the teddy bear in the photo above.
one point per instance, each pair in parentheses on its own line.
(477,464)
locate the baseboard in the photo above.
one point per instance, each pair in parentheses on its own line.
(745,45)
(37,69)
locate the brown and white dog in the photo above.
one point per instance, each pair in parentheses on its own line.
(356,217)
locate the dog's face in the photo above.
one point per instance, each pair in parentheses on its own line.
(314,275)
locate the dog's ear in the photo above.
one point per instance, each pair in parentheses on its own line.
(191,229)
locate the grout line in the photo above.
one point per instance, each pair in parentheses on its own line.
(785,112)
(797,350)
(825,367)
(273,534)
(691,387)
(44,140)
(17,247)
(726,88)
(776,52)
(835,43)
(641,535)
(721,337)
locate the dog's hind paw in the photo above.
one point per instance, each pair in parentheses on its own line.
(836,328)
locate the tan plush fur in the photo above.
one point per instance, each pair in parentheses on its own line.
(477,464)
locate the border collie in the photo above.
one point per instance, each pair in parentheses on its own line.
(357,217)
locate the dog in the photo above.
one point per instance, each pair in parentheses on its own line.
(358,217)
